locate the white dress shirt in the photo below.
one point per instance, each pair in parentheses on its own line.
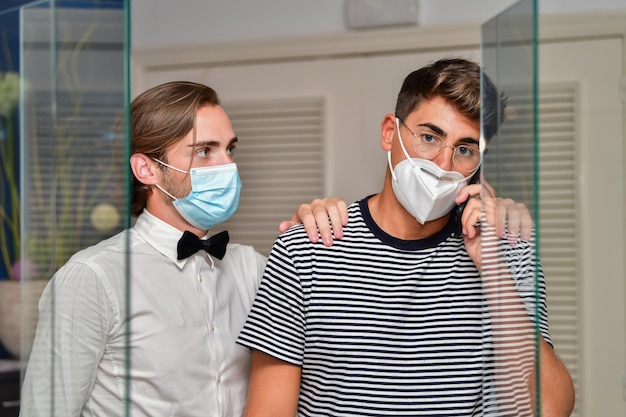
(167,350)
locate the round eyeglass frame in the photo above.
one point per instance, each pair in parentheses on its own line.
(443,145)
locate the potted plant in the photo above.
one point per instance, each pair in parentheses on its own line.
(10,207)
(63,173)
(72,199)
(13,291)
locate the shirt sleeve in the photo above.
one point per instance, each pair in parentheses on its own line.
(276,322)
(525,267)
(75,318)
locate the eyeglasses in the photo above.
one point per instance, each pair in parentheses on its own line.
(428,145)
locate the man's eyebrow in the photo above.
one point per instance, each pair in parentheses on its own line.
(207,143)
(443,134)
(434,128)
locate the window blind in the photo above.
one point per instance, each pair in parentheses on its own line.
(280,157)
(558,222)
(511,171)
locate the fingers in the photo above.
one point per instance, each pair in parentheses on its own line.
(337,210)
(502,212)
(520,222)
(470,220)
(471,217)
(509,218)
(305,216)
(286,224)
(325,214)
(526,224)
(467,192)
(318,217)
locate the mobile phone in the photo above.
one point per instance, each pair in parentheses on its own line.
(458,210)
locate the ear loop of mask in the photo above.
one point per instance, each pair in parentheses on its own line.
(406,154)
(170,166)
(175,169)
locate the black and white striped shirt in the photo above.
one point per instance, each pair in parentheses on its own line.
(380,326)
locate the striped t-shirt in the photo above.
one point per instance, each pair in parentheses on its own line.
(382,326)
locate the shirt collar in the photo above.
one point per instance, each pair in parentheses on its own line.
(160,235)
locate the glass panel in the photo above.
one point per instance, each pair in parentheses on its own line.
(515,292)
(67,156)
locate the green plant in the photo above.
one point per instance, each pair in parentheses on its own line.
(73,195)
(64,174)
(10,201)
(73,192)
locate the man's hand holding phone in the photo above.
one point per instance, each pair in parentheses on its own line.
(479,203)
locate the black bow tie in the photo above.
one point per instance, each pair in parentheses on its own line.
(190,244)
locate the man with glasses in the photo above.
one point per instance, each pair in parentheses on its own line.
(420,309)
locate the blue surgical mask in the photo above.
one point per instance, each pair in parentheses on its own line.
(214,195)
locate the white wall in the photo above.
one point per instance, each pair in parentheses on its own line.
(158,23)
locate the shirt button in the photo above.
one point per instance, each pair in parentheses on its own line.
(212,327)
(199,278)
(219,379)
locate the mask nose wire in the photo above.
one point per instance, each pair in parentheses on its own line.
(432,174)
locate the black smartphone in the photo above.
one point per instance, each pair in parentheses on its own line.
(458,210)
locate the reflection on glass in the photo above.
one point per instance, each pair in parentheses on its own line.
(63,153)
(514,292)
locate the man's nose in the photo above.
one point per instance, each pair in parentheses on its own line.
(444,159)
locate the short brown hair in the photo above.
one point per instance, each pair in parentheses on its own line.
(160,117)
(458,81)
